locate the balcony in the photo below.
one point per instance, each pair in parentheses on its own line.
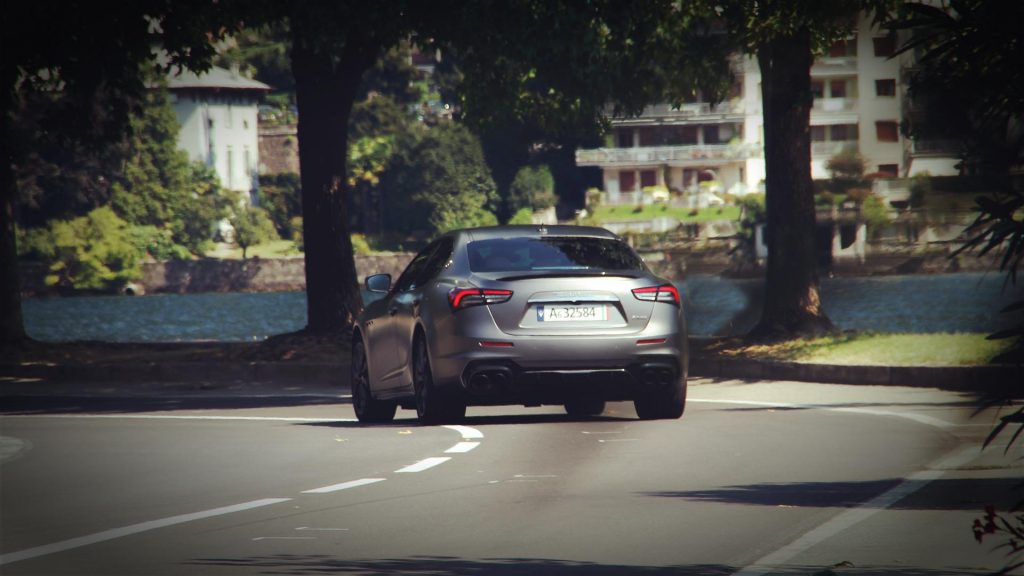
(671,155)
(835,105)
(832,148)
(698,111)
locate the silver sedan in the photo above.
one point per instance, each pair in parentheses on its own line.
(527,315)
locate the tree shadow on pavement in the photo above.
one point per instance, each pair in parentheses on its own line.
(943,494)
(449,566)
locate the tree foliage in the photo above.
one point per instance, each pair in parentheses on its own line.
(533,188)
(252,226)
(92,252)
(439,181)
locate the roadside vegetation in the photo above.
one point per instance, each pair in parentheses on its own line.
(873,349)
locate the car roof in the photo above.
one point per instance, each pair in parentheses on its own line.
(534,231)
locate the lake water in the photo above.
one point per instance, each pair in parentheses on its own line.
(714,306)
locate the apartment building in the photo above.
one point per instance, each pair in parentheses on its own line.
(858,105)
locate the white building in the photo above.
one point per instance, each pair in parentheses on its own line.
(217,112)
(858,105)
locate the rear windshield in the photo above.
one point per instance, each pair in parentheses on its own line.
(551,253)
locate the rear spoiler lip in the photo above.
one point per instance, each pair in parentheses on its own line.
(566,274)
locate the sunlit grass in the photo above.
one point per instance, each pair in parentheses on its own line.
(868,349)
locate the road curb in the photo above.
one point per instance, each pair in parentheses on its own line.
(993,379)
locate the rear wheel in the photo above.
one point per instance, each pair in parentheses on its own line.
(663,403)
(584,406)
(367,408)
(432,406)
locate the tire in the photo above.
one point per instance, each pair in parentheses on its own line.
(585,406)
(432,407)
(368,409)
(664,404)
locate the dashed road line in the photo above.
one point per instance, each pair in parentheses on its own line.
(344,486)
(425,464)
(462,447)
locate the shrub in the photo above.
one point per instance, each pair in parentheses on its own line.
(875,214)
(252,227)
(359,245)
(522,216)
(92,252)
(295,227)
(846,165)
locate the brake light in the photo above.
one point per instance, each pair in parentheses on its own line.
(460,298)
(663,293)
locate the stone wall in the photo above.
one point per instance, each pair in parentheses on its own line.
(215,275)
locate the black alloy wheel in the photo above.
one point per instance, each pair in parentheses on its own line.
(367,408)
(432,407)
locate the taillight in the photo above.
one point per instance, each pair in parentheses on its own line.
(460,298)
(663,293)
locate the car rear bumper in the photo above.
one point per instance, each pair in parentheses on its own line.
(506,382)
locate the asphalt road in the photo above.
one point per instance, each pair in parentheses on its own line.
(757,478)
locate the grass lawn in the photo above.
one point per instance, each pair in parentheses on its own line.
(647,212)
(272,249)
(867,349)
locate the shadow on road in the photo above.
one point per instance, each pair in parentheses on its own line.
(942,494)
(449,566)
(28,405)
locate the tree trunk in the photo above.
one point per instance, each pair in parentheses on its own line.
(792,305)
(326,89)
(12,326)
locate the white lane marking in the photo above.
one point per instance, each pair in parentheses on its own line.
(462,447)
(322,529)
(424,464)
(344,486)
(133,529)
(180,417)
(849,518)
(257,539)
(467,432)
(921,418)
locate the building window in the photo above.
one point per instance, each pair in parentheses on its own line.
(230,158)
(648,136)
(887,131)
(624,138)
(627,181)
(817,133)
(844,133)
(837,88)
(817,89)
(648,178)
(844,48)
(889,169)
(885,46)
(885,87)
(711,134)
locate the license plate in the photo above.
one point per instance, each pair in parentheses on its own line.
(572,313)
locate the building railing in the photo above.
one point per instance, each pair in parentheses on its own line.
(835,104)
(664,154)
(926,146)
(832,148)
(691,110)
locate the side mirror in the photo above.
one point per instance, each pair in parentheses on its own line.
(378,283)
